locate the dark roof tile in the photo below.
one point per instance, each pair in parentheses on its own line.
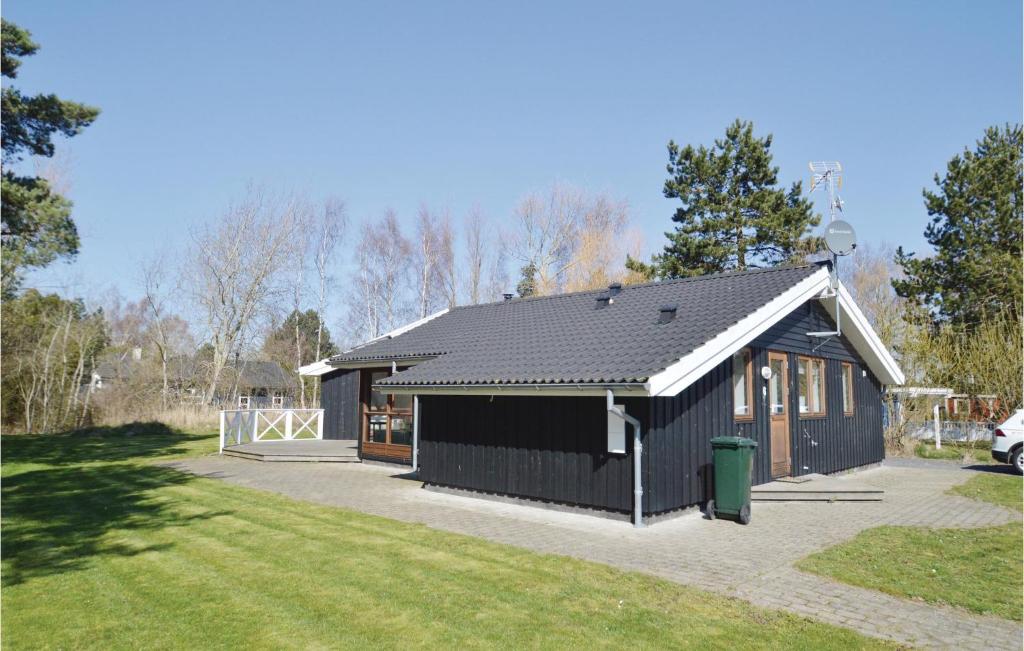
(567,338)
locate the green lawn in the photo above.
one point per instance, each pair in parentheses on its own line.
(101,549)
(999,488)
(980,451)
(976,569)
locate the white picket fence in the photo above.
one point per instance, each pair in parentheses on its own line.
(239,426)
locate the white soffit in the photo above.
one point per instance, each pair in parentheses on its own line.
(316,368)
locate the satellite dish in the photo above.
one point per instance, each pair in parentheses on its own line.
(840,238)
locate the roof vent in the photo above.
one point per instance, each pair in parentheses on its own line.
(666,313)
(614,289)
(507,297)
(604,300)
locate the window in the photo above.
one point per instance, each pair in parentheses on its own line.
(387,419)
(811,385)
(742,391)
(847,389)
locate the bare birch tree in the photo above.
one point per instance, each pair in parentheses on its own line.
(572,240)
(379,301)
(447,279)
(156,293)
(475,254)
(433,251)
(232,270)
(545,235)
(330,231)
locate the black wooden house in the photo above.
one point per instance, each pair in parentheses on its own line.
(531,397)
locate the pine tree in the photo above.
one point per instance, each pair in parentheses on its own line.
(37,225)
(733,215)
(976,230)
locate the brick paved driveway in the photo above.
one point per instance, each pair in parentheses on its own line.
(688,549)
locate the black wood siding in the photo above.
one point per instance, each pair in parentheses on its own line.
(555,448)
(339,397)
(546,447)
(678,453)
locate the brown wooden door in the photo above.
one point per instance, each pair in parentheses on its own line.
(778,413)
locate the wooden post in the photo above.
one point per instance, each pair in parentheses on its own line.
(935,417)
(255,424)
(320,424)
(222,423)
(288,425)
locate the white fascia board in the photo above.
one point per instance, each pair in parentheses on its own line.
(516,390)
(316,368)
(708,355)
(864,339)
(399,330)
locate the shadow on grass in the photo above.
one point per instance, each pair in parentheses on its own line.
(993,468)
(121,443)
(57,519)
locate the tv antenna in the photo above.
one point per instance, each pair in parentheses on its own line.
(828,174)
(840,238)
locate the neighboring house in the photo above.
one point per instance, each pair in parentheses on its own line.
(244,383)
(978,409)
(513,397)
(115,368)
(262,384)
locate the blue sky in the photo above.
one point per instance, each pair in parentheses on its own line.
(390,104)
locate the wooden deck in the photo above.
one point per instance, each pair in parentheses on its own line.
(816,488)
(307,450)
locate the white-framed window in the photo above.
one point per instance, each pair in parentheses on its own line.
(811,386)
(243,402)
(617,432)
(847,389)
(742,392)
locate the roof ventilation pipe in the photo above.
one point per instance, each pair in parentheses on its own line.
(604,300)
(638,448)
(614,289)
(667,313)
(507,297)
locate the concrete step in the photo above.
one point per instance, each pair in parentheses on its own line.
(308,458)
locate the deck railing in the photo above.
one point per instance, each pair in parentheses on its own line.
(239,426)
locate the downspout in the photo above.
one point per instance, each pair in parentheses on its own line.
(415,433)
(638,448)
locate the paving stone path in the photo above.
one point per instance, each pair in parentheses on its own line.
(753,562)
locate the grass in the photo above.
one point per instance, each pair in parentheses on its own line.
(981,451)
(1001,489)
(103,549)
(976,569)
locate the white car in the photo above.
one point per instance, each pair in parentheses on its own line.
(1008,441)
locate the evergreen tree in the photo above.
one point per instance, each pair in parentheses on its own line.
(976,230)
(280,347)
(528,281)
(37,226)
(733,215)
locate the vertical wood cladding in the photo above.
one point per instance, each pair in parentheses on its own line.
(678,468)
(339,396)
(545,447)
(555,448)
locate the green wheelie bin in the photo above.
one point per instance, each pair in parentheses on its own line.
(734,463)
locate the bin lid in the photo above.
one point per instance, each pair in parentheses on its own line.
(733,442)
